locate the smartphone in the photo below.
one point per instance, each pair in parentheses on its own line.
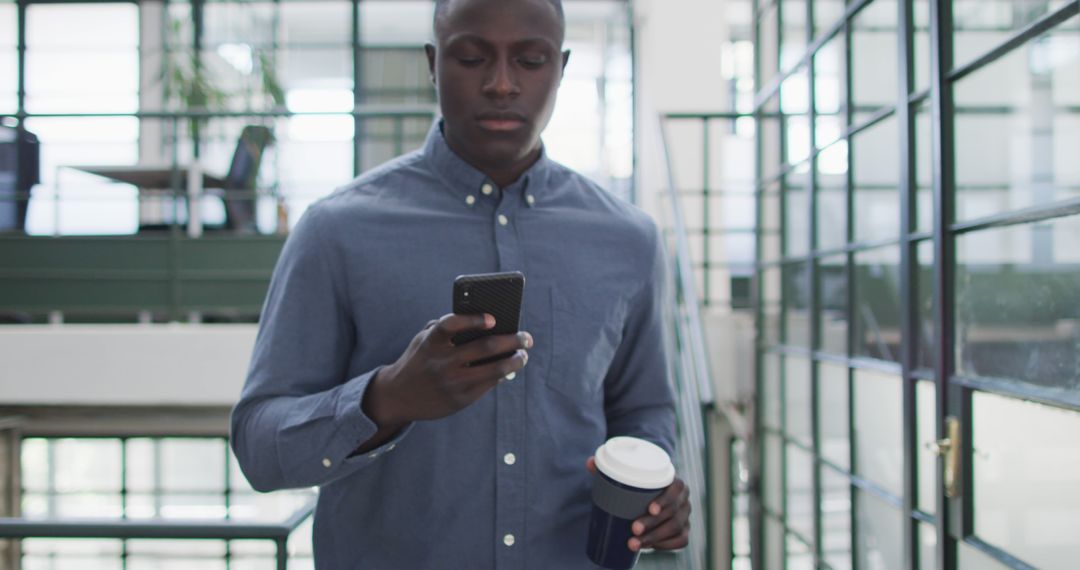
(497,294)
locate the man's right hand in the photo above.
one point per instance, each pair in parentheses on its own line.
(433,379)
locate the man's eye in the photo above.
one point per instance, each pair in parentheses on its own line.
(470,61)
(532,62)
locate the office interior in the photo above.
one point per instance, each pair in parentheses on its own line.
(871,208)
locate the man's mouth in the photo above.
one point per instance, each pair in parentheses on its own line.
(501,122)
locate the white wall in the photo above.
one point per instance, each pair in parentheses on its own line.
(677,51)
(173,364)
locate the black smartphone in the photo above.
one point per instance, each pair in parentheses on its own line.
(497,294)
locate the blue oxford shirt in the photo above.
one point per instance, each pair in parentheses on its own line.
(502,483)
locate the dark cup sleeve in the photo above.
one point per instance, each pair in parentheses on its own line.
(620,500)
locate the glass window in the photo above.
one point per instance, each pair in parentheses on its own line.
(879,454)
(878,533)
(793,38)
(768,43)
(1017,129)
(1016,310)
(795,105)
(796,212)
(315,22)
(925,434)
(833,293)
(193,465)
(874,58)
(921,44)
(82,58)
(770,126)
(980,25)
(832,215)
(147,554)
(1027,476)
(774,543)
(771,285)
(770,223)
(876,177)
(876,314)
(404,22)
(771,394)
(835,519)
(924,291)
(796,305)
(927,546)
(924,176)
(830,92)
(9,58)
(800,492)
(72,553)
(970,558)
(774,469)
(797,399)
(827,13)
(833,415)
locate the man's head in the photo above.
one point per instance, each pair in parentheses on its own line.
(497,65)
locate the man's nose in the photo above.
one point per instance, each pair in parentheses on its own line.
(502,82)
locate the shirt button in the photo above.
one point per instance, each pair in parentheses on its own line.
(511,376)
(470,199)
(509,459)
(508,540)
(530,199)
(326,462)
(503,220)
(487,189)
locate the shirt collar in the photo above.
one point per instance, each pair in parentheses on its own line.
(465,180)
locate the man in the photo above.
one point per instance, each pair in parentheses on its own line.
(423,461)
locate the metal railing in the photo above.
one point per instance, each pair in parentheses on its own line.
(708,427)
(22,528)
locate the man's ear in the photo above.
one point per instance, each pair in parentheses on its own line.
(429,49)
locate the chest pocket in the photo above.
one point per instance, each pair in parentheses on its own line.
(584,337)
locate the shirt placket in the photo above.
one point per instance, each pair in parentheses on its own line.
(510,407)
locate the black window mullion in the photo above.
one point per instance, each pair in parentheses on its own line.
(849,270)
(944,255)
(908,274)
(358,89)
(814,300)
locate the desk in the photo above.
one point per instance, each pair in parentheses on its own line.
(155,180)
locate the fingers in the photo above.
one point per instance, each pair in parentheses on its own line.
(590,464)
(481,349)
(450,325)
(668,520)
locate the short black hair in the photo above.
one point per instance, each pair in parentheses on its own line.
(441,6)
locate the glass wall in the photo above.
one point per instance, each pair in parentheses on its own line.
(342,84)
(918,161)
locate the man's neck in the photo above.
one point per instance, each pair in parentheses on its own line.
(502,174)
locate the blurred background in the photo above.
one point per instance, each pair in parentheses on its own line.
(872,209)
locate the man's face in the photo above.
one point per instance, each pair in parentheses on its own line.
(497,68)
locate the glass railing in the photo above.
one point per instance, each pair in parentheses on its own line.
(133,501)
(712,433)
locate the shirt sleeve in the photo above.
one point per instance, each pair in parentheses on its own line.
(299,416)
(638,400)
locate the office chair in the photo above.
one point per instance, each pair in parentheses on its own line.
(20,170)
(240,181)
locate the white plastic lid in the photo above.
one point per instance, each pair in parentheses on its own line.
(635,462)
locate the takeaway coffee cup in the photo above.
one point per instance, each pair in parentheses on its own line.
(630,473)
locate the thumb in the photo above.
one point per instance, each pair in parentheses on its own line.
(590,464)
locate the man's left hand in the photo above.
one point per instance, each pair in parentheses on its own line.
(666,526)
